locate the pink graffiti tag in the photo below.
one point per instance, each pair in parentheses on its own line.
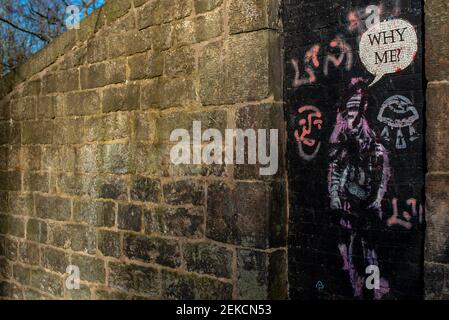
(310,62)
(312,56)
(361,19)
(395,220)
(309,122)
(346,51)
(354,23)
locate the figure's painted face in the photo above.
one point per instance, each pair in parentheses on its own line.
(352,119)
(352,114)
(309,126)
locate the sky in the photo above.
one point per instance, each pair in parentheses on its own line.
(23,40)
(38,45)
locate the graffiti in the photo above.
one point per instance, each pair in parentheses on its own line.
(358,177)
(363,19)
(352,186)
(395,220)
(397,113)
(310,123)
(389,47)
(390,9)
(312,56)
(297,81)
(352,133)
(406,222)
(346,51)
(312,62)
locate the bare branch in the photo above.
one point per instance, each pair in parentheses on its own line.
(51,20)
(42,37)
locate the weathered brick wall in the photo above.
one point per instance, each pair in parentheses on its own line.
(436,259)
(85,172)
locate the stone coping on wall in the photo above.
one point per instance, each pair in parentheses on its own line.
(97,20)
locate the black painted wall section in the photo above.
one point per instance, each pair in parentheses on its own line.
(336,227)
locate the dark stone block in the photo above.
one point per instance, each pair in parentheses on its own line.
(152,250)
(146,189)
(130,217)
(134,279)
(261,275)
(191,287)
(184,192)
(208,258)
(246,214)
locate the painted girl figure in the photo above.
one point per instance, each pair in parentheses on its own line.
(358,179)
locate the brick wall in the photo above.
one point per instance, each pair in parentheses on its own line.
(85,172)
(436,260)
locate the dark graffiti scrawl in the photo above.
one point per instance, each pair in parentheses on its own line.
(355,152)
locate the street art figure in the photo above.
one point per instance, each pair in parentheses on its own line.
(307,136)
(398,112)
(358,177)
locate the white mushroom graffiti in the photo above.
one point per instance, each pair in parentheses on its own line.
(397,113)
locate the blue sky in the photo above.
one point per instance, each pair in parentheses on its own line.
(78,3)
(32,43)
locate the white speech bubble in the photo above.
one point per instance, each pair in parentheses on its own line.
(388,47)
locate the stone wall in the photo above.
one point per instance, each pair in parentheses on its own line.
(436,260)
(85,172)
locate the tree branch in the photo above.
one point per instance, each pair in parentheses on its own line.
(42,37)
(6,65)
(51,20)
